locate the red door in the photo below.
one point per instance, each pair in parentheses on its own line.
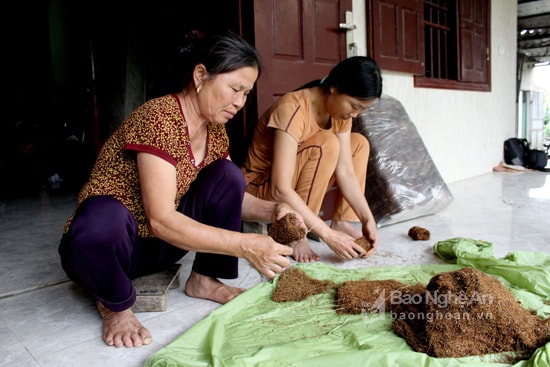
(299,40)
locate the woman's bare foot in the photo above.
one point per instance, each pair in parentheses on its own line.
(302,251)
(345,227)
(205,287)
(122,329)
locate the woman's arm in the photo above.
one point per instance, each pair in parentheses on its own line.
(158,188)
(258,210)
(282,189)
(349,186)
(285,149)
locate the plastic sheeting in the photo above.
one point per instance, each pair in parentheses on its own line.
(402,180)
(252,330)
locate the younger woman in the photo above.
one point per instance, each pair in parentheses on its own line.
(303,144)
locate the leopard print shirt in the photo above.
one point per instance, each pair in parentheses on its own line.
(157,127)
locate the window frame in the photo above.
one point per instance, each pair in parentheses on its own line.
(421,81)
(465,28)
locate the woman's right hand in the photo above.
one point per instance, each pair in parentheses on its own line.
(266,255)
(343,245)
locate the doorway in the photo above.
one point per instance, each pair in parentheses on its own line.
(93,62)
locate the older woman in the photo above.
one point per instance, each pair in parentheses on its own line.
(163,185)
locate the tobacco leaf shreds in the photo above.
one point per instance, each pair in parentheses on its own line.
(295,285)
(369,296)
(465,313)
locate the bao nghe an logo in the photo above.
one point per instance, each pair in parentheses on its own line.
(436,305)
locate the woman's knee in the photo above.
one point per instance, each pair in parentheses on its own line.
(360,146)
(323,145)
(225,172)
(328,139)
(220,185)
(102,229)
(101,221)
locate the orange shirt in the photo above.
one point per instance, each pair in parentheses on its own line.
(157,127)
(293,114)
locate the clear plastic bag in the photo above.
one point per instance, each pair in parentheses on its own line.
(402,180)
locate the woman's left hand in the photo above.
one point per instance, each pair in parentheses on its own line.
(370,232)
(282,209)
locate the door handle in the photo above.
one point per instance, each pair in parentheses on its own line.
(347,26)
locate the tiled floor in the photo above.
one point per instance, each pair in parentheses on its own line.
(48,321)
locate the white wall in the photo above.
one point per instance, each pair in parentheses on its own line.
(536,78)
(463,131)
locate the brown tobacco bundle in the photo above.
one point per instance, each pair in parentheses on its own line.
(287,229)
(363,242)
(295,285)
(419,233)
(467,312)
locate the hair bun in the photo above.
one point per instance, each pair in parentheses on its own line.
(189,42)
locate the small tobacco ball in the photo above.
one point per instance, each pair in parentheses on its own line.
(363,242)
(287,229)
(419,233)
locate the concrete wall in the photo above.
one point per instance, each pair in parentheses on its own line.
(464,131)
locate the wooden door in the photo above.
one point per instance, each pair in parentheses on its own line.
(396,34)
(474,48)
(299,40)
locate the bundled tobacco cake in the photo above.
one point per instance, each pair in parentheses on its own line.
(419,234)
(363,242)
(465,313)
(287,229)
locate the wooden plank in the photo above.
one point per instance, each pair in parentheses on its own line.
(152,290)
(255,227)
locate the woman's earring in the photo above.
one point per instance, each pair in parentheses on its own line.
(198,89)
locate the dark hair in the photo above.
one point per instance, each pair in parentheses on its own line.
(357,76)
(219,53)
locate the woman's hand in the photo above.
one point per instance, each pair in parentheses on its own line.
(266,255)
(343,245)
(282,209)
(371,234)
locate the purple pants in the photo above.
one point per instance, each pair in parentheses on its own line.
(103,252)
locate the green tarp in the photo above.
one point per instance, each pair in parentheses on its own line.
(252,330)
